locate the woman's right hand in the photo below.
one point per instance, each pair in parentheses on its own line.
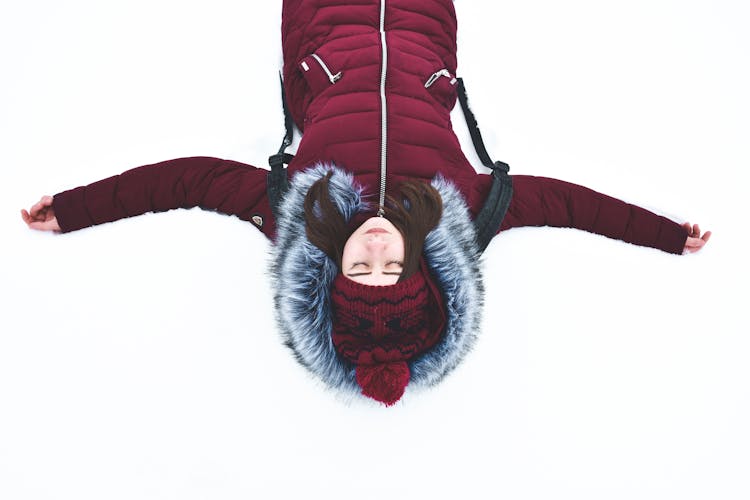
(41,216)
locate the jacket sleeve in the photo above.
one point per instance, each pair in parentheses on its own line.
(225,186)
(541,201)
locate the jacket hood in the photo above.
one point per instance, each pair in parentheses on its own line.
(302,274)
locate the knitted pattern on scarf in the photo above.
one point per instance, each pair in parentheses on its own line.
(301,276)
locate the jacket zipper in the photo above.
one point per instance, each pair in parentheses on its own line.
(384,111)
(443,72)
(333,78)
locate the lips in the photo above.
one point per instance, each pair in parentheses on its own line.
(376,230)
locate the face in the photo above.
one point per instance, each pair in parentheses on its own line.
(374,254)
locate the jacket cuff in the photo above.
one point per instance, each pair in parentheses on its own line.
(70,210)
(673,237)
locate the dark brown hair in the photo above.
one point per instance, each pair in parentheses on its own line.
(415,211)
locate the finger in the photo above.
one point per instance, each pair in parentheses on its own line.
(697,230)
(706,236)
(34,217)
(37,207)
(25,216)
(44,202)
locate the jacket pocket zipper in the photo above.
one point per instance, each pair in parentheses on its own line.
(443,72)
(332,77)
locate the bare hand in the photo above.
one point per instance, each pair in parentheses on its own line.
(41,216)
(695,240)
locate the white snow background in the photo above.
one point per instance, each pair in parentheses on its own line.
(139,360)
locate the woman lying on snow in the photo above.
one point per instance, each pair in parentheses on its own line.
(376,275)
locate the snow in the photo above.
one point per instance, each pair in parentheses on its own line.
(140,360)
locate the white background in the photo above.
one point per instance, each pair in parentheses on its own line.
(139,359)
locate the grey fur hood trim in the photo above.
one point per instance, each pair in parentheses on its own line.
(302,275)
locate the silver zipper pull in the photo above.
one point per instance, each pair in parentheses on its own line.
(333,78)
(443,72)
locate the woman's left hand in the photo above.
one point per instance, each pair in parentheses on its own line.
(695,240)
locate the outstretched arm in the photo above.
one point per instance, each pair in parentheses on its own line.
(210,183)
(541,201)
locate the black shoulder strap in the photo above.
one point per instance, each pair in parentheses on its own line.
(277,183)
(490,216)
(496,205)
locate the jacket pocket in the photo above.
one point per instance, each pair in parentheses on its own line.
(318,75)
(442,86)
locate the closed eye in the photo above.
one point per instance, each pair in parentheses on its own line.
(389,264)
(356,265)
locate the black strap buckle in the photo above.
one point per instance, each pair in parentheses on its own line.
(501,166)
(279,160)
(276,161)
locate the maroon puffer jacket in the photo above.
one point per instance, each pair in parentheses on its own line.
(371,85)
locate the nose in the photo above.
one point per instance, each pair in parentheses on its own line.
(376,242)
